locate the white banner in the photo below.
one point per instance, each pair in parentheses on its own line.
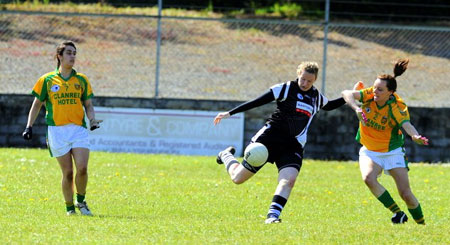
(184,132)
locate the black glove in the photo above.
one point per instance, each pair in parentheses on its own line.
(27,133)
(95,124)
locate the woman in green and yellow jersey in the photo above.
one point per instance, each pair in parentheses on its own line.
(382,115)
(67,97)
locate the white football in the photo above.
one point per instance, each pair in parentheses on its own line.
(256,154)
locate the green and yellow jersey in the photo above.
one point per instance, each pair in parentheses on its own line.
(382,131)
(63,97)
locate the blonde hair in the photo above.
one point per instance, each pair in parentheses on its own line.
(308,66)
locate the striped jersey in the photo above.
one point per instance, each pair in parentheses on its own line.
(382,131)
(295,109)
(63,97)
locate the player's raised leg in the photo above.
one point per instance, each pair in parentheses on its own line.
(238,173)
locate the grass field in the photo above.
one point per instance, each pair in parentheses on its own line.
(186,199)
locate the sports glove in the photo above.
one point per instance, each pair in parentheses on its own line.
(27,133)
(95,124)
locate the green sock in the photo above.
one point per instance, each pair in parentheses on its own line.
(388,202)
(70,206)
(80,198)
(417,215)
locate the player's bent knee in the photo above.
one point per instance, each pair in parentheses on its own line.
(287,183)
(406,195)
(238,181)
(82,171)
(370,180)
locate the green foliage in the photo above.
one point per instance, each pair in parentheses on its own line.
(288,10)
(140,199)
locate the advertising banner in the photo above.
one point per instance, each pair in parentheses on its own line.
(183,132)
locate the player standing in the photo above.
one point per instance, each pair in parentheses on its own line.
(65,92)
(381,115)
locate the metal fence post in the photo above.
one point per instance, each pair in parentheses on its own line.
(325,44)
(158,48)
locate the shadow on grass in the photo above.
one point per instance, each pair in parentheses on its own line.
(427,42)
(106,216)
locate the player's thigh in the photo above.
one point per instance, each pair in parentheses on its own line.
(368,168)
(241,174)
(290,157)
(401,179)
(65,163)
(288,174)
(81,157)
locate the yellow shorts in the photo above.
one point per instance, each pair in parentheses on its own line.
(61,139)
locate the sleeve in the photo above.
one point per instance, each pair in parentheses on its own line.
(400,113)
(366,94)
(261,100)
(322,100)
(40,90)
(87,89)
(333,104)
(280,91)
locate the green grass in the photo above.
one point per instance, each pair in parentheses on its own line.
(185,199)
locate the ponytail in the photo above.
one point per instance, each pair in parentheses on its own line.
(399,68)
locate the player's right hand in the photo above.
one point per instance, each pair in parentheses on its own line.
(358,86)
(361,116)
(220,116)
(27,133)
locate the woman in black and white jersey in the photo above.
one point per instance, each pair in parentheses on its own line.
(284,134)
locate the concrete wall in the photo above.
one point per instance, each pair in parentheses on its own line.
(331,135)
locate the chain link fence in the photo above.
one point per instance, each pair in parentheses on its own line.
(220,59)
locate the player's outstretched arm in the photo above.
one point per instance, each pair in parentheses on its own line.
(334,104)
(261,100)
(220,116)
(415,136)
(351,96)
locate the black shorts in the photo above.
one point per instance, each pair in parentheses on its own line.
(283,151)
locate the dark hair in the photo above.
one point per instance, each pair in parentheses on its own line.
(60,50)
(400,66)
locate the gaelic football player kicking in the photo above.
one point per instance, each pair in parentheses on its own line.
(284,134)
(382,114)
(65,92)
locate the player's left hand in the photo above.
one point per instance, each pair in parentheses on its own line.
(419,139)
(95,124)
(361,116)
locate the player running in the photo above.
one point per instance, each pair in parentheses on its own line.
(381,116)
(284,134)
(65,92)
